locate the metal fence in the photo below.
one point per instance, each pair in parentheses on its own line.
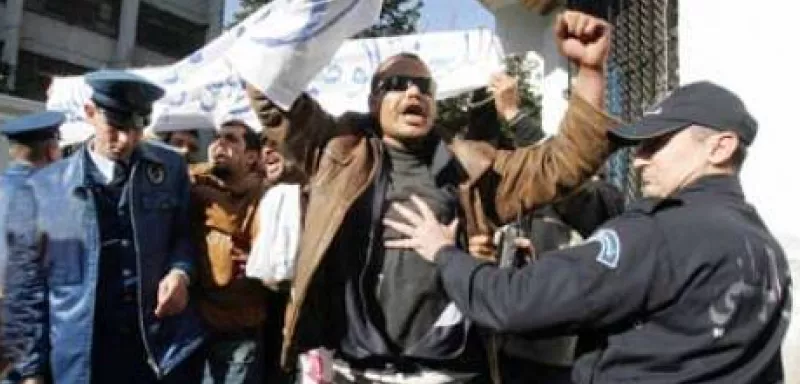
(643,65)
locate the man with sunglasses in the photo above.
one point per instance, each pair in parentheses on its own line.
(382,311)
(688,285)
(102,255)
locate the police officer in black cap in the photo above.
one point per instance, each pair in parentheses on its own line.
(111,303)
(688,285)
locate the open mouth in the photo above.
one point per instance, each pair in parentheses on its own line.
(414,114)
(414,109)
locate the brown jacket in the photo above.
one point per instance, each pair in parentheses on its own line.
(225,224)
(341,161)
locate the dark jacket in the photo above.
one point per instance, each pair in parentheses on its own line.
(689,289)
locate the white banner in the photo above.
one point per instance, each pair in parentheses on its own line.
(209,82)
(460,61)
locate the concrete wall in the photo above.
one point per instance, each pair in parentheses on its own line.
(74,44)
(747,47)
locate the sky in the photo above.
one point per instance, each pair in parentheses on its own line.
(437,15)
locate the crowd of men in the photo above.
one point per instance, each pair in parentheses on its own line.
(426,255)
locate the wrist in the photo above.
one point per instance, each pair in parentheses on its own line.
(590,84)
(182,275)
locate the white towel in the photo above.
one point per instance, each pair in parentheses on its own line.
(272,258)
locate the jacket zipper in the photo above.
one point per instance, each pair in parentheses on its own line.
(290,329)
(150,359)
(96,240)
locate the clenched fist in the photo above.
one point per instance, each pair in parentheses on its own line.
(583,39)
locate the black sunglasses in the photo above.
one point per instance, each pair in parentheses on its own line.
(400,83)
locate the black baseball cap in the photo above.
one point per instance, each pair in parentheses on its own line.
(703,103)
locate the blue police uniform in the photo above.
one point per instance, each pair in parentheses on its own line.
(109,243)
(689,288)
(28,129)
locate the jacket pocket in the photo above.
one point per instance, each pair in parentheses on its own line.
(65,262)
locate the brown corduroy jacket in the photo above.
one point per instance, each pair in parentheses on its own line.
(342,158)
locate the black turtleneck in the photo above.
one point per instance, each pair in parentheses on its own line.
(407,288)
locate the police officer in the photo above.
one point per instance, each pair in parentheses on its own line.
(688,285)
(113,217)
(34,144)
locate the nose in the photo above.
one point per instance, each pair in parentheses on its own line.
(413,90)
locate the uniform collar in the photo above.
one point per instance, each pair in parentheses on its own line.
(104,167)
(727,185)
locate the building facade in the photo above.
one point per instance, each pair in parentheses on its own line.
(45,38)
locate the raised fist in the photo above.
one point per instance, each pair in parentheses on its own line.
(583,39)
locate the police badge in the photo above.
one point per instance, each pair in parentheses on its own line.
(155,174)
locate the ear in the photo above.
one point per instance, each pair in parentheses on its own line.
(723,148)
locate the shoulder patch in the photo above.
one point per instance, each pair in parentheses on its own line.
(609,254)
(155,173)
(651,205)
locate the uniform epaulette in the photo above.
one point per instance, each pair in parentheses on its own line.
(649,206)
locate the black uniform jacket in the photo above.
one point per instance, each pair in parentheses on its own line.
(689,289)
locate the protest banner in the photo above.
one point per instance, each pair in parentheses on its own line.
(285,48)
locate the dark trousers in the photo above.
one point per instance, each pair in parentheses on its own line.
(234,358)
(120,358)
(522,371)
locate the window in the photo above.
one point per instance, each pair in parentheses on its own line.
(168,34)
(101,16)
(35,72)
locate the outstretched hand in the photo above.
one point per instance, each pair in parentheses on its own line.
(425,234)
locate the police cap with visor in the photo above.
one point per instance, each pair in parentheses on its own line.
(703,103)
(126,99)
(33,127)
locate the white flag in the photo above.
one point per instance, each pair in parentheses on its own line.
(301,38)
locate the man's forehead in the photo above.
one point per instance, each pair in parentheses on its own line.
(184,135)
(233,126)
(404,66)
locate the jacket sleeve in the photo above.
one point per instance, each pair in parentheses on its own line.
(183,250)
(596,284)
(299,133)
(26,331)
(593,204)
(526,130)
(527,177)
